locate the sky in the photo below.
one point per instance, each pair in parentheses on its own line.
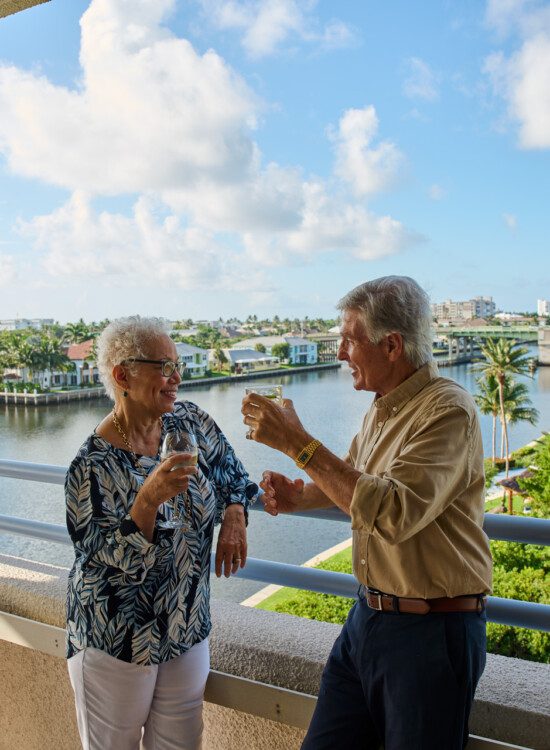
(218,158)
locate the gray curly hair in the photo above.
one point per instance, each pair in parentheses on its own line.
(395,304)
(122,339)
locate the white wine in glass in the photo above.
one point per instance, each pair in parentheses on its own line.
(185,445)
(274,392)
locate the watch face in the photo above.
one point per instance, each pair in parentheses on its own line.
(303,456)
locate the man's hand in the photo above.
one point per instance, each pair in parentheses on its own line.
(274,425)
(281,494)
(231,548)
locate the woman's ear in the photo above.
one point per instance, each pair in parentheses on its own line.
(120,377)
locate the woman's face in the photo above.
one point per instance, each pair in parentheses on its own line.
(149,388)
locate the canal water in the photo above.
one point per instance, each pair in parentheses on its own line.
(327,404)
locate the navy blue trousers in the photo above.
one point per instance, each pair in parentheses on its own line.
(399,681)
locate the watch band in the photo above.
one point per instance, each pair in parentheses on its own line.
(304,456)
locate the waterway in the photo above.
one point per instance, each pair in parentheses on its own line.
(326,402)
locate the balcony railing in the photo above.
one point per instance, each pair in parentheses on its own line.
(509,528)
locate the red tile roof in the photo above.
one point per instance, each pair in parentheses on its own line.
(80,351)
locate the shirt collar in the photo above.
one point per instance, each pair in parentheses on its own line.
(394,401)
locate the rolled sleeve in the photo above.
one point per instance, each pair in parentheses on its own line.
(366,501)
(98,534)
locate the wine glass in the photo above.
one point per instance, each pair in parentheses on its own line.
(184,444)
(270,390)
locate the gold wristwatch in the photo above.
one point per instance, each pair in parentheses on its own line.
(306,453)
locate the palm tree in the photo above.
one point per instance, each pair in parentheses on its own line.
(488,402)
(76,333)
(502,359)
(518,405)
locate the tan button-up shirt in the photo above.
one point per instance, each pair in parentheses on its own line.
(417,510)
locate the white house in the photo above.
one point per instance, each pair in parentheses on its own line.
(245,360)
(195,358)
(300,351)
(85,370)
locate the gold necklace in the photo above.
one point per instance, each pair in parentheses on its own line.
(139,467)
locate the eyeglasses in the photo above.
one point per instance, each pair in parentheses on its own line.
(167,366)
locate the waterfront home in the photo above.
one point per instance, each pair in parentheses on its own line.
(85,368)
(195,358)
(247,360)
(301,351)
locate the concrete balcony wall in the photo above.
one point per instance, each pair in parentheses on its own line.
(36,702)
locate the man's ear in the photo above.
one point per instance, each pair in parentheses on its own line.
(394,346)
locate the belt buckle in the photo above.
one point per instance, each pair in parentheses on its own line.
(379,602)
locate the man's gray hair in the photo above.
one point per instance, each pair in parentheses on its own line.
(123,339)
(395,304)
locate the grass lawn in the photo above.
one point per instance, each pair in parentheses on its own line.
(309,604)
(497,502)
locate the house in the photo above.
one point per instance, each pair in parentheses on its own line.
(85,368)
(301,351)
(246,360)
(195,358)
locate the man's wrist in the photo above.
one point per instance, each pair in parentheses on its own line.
(297,443)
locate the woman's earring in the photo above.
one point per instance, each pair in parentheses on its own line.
(125,394)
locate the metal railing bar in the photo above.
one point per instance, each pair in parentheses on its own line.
(502,527)
(503,611)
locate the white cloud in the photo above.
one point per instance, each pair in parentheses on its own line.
(436,192)
(148,247)
(511,221)
(421,82)
(152,118)
(150,112)
(267,24)
(8,272)
(522,77)
(365,167)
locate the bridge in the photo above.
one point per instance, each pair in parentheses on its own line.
(519,333)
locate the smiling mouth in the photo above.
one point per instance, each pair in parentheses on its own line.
(170,394)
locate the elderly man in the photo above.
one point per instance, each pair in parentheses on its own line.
(404,669)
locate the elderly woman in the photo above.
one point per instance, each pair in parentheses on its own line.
(138,601)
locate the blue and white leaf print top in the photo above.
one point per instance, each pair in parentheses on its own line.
(139,601)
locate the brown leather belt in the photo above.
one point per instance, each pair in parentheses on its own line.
(389,603)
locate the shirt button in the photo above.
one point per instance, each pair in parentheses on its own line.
(363,562)
(380,424)
(394,408)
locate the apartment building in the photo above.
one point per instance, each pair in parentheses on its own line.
(478,307)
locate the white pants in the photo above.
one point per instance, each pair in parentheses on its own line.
(115,700)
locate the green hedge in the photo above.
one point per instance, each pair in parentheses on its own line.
(521,571)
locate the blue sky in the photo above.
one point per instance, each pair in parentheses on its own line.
(206,158)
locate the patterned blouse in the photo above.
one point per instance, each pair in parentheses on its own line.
(139,601)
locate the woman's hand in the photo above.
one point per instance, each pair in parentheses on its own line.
(166,481)
(281,494)
(231,548)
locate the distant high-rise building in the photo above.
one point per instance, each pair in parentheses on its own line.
(478,307)
(543,308)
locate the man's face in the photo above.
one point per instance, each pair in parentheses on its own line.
(368,362)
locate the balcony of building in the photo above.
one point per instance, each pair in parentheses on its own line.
(266,667)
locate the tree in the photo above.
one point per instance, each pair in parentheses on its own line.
(219,357)
(260,348)
(503,358)
(76,333)
(487,400)
(517,405)
(538,485)
(281,350)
